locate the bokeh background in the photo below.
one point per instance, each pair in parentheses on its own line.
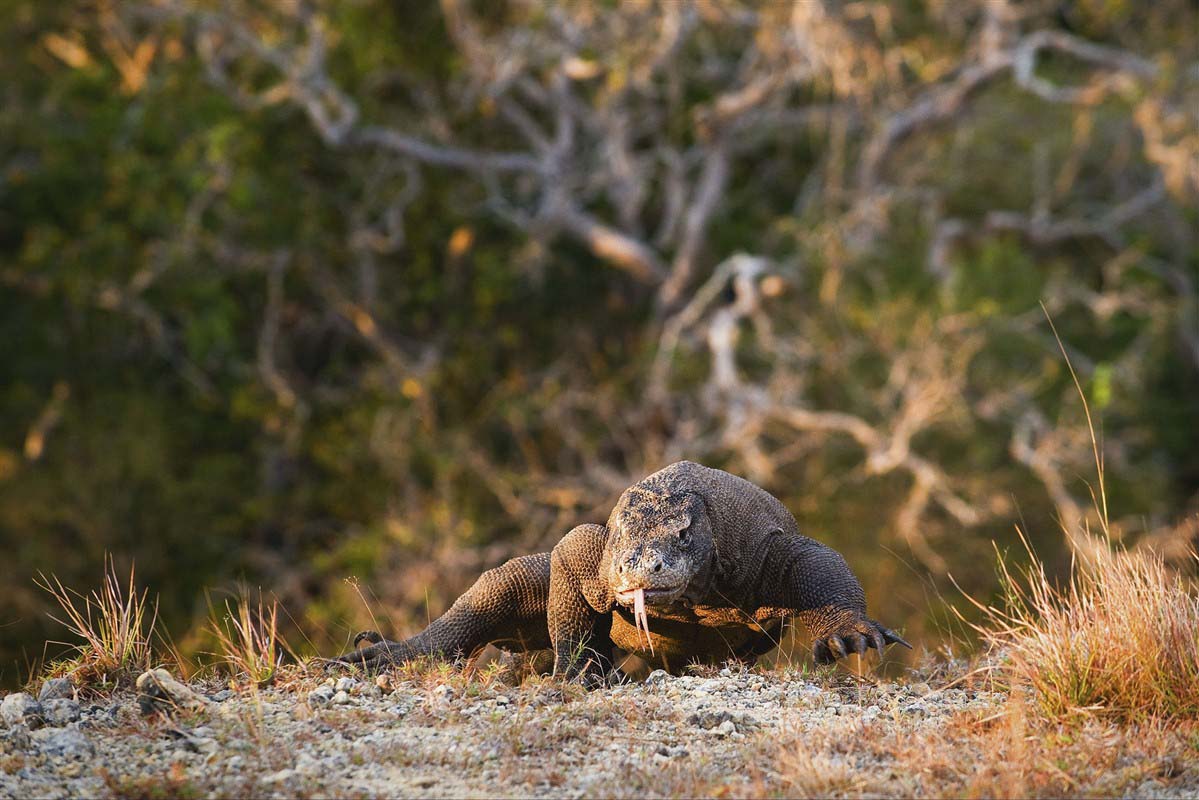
(294,292)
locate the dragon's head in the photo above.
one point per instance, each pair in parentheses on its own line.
(658,543)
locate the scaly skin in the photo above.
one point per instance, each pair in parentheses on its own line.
(720,564)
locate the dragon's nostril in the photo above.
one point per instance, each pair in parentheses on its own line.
(657,567)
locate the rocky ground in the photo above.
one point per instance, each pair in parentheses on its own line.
(440,733)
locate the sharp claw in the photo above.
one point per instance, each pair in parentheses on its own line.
(837,646)
(877,641)
(894,638)
(856,643)
(821,654)
(370,636)
(373,656)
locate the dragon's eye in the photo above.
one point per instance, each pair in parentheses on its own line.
(685,536)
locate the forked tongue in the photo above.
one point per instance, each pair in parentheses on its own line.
(640,617)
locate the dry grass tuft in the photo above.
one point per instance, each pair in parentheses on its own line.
(1121,638)
(248,639)
(116,624)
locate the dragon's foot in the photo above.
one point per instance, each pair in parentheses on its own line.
(378,654)
(856,636)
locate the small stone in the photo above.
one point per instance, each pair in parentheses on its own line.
(64,743)
(848,709)
(921,689)
(444,693)
(61,712)
(20,708)
(308,765)
(222,695)
(502,700)
(321,695)
(342,698)
(346,684)
(280,776)
(384,683)
(664,752)
(159,691)
(658,677)
(192,741)
(57,689)
(726,728)
(371,691)
(708,719)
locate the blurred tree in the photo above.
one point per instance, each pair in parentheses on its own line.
(295,291)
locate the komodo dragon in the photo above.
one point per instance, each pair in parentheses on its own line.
(716,562)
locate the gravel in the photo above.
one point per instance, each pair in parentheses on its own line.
(413,737)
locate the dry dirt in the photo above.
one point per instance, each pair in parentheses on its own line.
(440,733)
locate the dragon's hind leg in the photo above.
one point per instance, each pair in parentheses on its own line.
(506,606)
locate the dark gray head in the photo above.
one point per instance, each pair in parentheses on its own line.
(659,541)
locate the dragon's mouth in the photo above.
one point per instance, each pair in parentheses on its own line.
(639,598)
(651,597)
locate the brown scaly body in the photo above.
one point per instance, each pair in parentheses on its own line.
(718,562)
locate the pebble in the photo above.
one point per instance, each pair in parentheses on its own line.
(658,677)
(19,708)
(726,728)
(280,776)
(664,751)
(159,691)
(57,689)
(384,683)
(321,695)
(341,698)
(346,684)
(59,712)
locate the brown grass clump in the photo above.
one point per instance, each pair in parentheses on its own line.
(1121,638)
(248,639)
(116,624)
